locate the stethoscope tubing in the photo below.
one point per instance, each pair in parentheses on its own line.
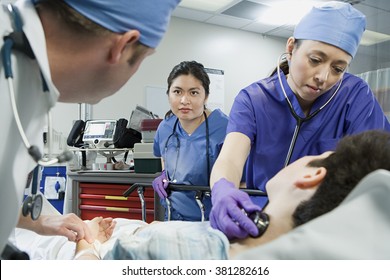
(299,120)
(22,43)
(32,149)
(16,116)
(174,134)
(292,143)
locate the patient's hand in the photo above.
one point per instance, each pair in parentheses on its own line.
(102,228)
(69,225)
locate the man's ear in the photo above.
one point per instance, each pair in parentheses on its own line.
(311,178)
(122,41)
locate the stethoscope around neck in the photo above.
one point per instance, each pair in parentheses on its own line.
(175,135)
(17,40)
(298,118)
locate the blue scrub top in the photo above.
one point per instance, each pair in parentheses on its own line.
(261,112)
(188,165)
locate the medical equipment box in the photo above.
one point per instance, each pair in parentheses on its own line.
(148,129)
(144,160)
(53,185)
(99,133)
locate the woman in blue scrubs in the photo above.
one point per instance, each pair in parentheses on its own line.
(304,108)
(188,141)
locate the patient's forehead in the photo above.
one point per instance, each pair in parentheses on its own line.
(294,169)
(307,159)
(303,161)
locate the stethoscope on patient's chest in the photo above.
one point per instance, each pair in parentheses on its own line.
(17,40)
(299,120)
(174,134)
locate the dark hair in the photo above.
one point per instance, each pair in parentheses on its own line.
(355,157)
(193,68)
(73,19)
(79,24)
(284,64)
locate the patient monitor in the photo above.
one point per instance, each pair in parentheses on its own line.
(99,133)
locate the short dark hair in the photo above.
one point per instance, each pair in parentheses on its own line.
(73,19)
(79,24)
(355,157)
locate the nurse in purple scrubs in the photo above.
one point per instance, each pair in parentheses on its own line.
(304,108)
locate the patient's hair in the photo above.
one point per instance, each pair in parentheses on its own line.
(355,157)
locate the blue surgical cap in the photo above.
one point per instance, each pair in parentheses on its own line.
(335,23)
(150,17)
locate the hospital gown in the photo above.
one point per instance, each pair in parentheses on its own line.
(174,240)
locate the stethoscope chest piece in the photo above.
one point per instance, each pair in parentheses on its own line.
(32,205)
(261,220)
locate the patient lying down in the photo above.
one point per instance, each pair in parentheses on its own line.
(304,190)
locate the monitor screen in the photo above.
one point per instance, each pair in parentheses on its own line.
(99,131)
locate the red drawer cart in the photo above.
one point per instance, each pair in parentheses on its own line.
(101,194)
(107,200)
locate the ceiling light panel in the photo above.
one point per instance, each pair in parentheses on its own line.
(245,9)
(371,38)
(206,5)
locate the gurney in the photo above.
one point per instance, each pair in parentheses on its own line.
(357,229)
(200,192)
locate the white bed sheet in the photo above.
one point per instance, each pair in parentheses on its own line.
(59,248)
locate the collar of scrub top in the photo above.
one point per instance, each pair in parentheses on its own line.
(174,134)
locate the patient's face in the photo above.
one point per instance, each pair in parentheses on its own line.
(283,183)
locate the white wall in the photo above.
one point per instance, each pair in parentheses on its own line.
(244,56)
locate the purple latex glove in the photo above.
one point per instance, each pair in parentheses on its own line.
(160,184)
(226,214)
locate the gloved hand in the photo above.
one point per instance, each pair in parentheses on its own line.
(226,213)
(160,184)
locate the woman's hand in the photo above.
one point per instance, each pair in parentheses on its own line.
(226,214)
(160,184)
